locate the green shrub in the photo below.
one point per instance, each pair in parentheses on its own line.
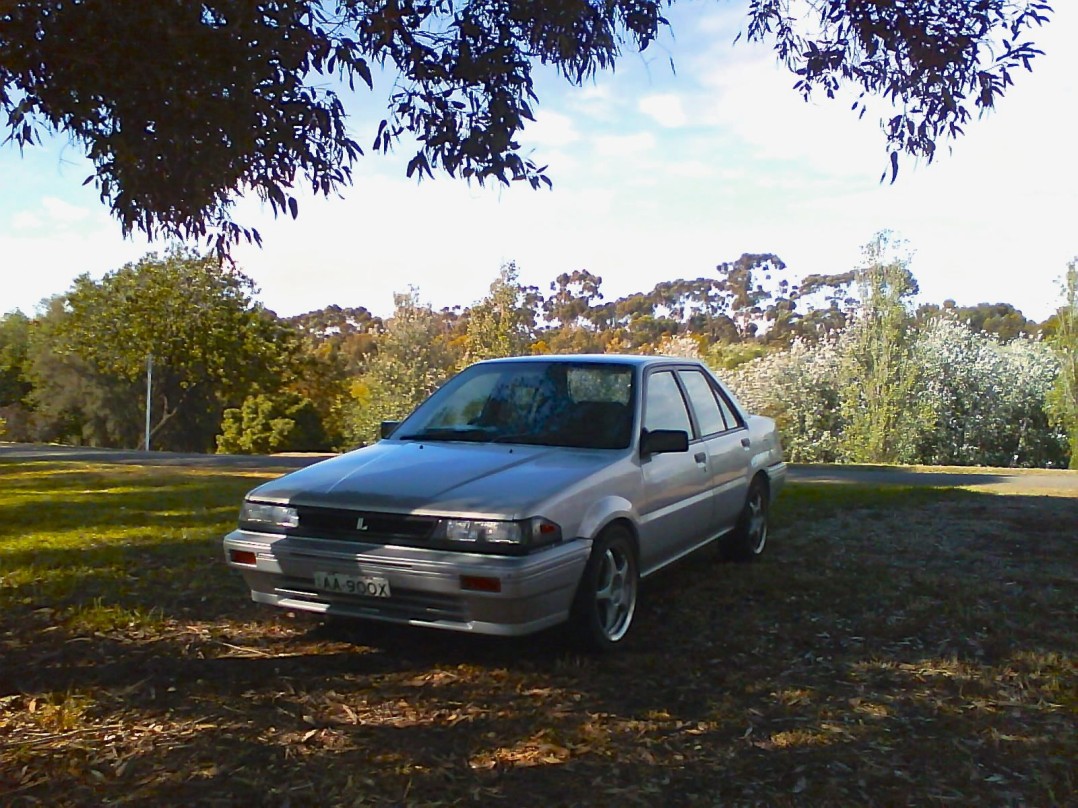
(265,424)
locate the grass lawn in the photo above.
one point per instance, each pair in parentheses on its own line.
(896,646)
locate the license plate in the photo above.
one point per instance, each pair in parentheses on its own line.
(369,586)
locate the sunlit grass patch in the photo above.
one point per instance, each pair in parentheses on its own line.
(83,539)
(101,617)
(59,500)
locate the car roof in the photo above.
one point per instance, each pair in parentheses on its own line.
(605,359)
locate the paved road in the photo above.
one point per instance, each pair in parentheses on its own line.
(1003,481)
(37,451)
(1015,481)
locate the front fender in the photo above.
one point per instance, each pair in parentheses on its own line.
(604,511)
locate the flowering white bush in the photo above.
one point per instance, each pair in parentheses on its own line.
(977,401)
(799,388)
(986,399)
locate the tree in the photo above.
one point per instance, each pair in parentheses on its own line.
(266,424)
(501,324)
(999,319)
(193,103)
(334,348)
(341,334)
(879,373)
(1063,400)
(742,283)
(72,401)
(801,389)
(15,384)
(209,341)
(573,314)
(817,323)
(412,359)
(14,347)
(573,295)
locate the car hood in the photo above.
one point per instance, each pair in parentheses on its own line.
(476,480)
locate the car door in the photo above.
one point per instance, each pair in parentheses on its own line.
(675,508)
(727,446)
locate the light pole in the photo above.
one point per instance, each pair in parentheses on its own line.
(149,387)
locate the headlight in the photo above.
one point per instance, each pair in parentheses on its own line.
(470,530)
(527,532)
(261,515)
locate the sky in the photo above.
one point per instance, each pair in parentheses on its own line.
(686,156)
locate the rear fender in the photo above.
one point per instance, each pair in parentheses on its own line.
(766,447)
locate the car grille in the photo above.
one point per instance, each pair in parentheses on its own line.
(365,526)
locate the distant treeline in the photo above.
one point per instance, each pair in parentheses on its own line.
(845,363)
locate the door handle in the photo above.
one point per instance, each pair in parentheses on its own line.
(699,457)
(746,442)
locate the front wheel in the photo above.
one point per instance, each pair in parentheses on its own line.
(746,541)
(606,598)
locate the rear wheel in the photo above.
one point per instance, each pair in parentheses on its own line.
(747,540)
(606,598)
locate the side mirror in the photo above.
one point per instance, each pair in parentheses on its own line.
(388,428)
(663,441)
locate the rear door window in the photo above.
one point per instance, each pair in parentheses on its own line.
(704,403)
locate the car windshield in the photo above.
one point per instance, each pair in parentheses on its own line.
(579,404)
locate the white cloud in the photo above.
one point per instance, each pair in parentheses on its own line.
(551,129)
(624,145)
(689,169)
(590,93)
(752,99)
(558,162)
(595,101)
(63,212)
(25,220)
(47,265)
(719,23)
(445,237)
(665,109)
(743,92)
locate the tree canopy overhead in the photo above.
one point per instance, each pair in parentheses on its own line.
(181,106)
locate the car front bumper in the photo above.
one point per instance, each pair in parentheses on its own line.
(426,586)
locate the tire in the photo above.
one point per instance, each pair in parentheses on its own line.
(606,597)
(747,540)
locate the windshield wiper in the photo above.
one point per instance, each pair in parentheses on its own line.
(448,434)
(531,438)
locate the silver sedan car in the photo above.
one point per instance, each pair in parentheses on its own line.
(525,493)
